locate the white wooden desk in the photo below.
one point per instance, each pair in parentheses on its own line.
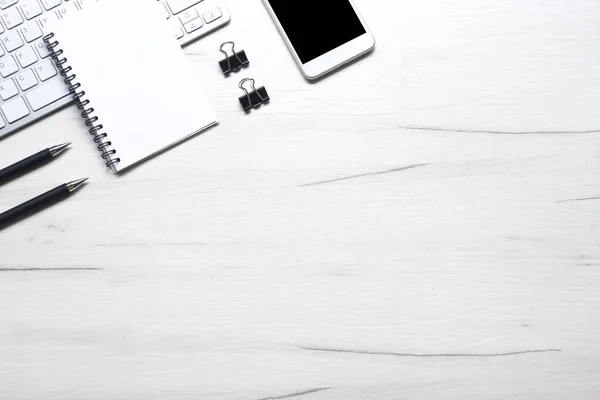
(423,224)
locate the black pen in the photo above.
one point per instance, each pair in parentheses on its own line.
(31,162)
(39,202)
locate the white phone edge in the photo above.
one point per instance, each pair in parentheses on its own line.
(333,59)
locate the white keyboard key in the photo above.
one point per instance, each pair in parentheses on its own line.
(26,56)
(1,51)
(165,11)
(12,40)
(7,3)
(193,25)
(61,11)
(31,32)
(11,17)
(45,70)
(8,66)
(212,15)
(15,109)
(50,4)
(47,19)
(27,79)
(42,49)
(2,123)
(30,8)
(47,94)
(188,15)
(8,89)
(43,21)
(178,31)
(178,6)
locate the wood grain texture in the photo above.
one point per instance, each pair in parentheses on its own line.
(421,225)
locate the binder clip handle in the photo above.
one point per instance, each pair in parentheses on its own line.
(254,98)
(226,43)
(252,85)
(235,62)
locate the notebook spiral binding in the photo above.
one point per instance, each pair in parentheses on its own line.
(83,104)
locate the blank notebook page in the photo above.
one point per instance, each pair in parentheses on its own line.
(136,76)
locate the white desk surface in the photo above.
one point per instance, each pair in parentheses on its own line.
(423,224)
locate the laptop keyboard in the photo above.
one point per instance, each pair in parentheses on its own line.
(30,86)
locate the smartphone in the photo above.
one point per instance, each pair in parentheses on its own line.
(321,35)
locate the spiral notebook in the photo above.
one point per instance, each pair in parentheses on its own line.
(133,84)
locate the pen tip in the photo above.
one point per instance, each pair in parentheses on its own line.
(56,150)
(73,186)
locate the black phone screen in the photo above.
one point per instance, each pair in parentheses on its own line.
(317,27)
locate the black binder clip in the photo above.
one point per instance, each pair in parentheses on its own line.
(235,62)
(254,98)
